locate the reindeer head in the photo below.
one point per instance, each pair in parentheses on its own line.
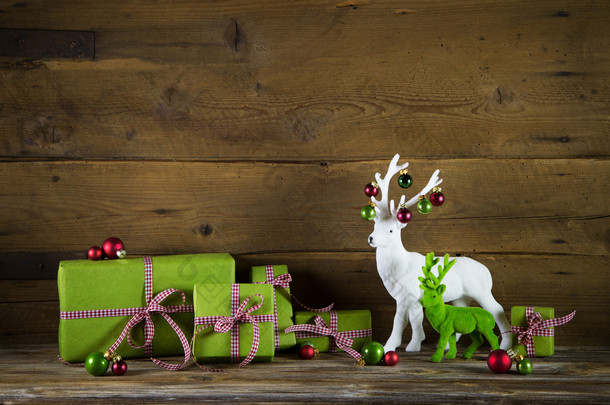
(386,232)
(433,289)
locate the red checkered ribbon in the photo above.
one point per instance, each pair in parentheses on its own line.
(239,314)
(283,281)
(537,327)
(139,314)
(342,340)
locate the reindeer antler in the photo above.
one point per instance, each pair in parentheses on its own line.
(430,280)
(385,207)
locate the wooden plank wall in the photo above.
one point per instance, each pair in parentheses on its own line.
(251,127)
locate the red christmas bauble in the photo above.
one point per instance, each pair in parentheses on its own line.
(307,352)
(390,358)
(95,253)
(112,246)
(119,367)
(403,215)
(499,362)
(437,199)
(370,190)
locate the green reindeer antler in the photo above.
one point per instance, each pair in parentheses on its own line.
(430,280)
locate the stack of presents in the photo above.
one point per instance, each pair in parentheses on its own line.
(185,305)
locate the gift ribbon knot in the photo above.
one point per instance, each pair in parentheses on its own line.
(342,340)
(239,314)
(536,326)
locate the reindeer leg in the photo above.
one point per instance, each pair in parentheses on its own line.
(477,341)
(416,316)
(460,302)
(440,348)
(452,348)
(400,321)
(489,303)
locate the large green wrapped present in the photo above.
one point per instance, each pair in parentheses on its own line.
(533,327)
(279,278)
(325,330)
(100,301)
(234,322)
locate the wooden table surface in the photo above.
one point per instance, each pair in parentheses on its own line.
(572,375)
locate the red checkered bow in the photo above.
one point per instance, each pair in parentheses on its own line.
(537,327)
(283,281)
(239,314)
(139,314)
(342,340)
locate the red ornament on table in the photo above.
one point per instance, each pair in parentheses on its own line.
(499,361)
(95,253)
(371,189)
(307,352)
(390,358)
(119,367)
(114,248)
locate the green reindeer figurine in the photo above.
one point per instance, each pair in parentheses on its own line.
(449,320)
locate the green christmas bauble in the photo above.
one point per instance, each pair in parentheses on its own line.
(524,367)
(424,206)
(372,352)
(308,343)
(520,349)
(405,180)
(96,363)
(367,212)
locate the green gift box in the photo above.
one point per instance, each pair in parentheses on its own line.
(544,345)
(221,302)
(356,324)
(94,297)
(278,274)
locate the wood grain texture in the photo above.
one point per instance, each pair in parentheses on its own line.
(533,206)
(573,375)
(283,80)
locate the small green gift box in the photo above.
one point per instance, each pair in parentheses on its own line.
(98,299)
(278,276)
(234,322)
(522,318)
(353,324)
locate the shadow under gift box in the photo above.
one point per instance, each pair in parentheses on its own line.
(115,284)
(215,300)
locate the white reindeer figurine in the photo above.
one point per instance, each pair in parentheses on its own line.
(399,270)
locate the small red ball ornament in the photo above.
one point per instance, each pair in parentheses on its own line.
(119,367)
(371,189)
(499,361)
(403,215)
(437,198)
(95,253)
(307,352)
(390,358)
(114,248)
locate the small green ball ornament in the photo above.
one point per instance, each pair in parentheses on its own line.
(520,349)
(96,363)
(424,206)
(524,367)
(308,343)
(405,180)
(372,352)
(367,212)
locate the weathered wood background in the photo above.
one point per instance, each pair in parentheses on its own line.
(251,128)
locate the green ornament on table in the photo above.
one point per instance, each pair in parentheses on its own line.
(524,367)
(372,352)
(96,364)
